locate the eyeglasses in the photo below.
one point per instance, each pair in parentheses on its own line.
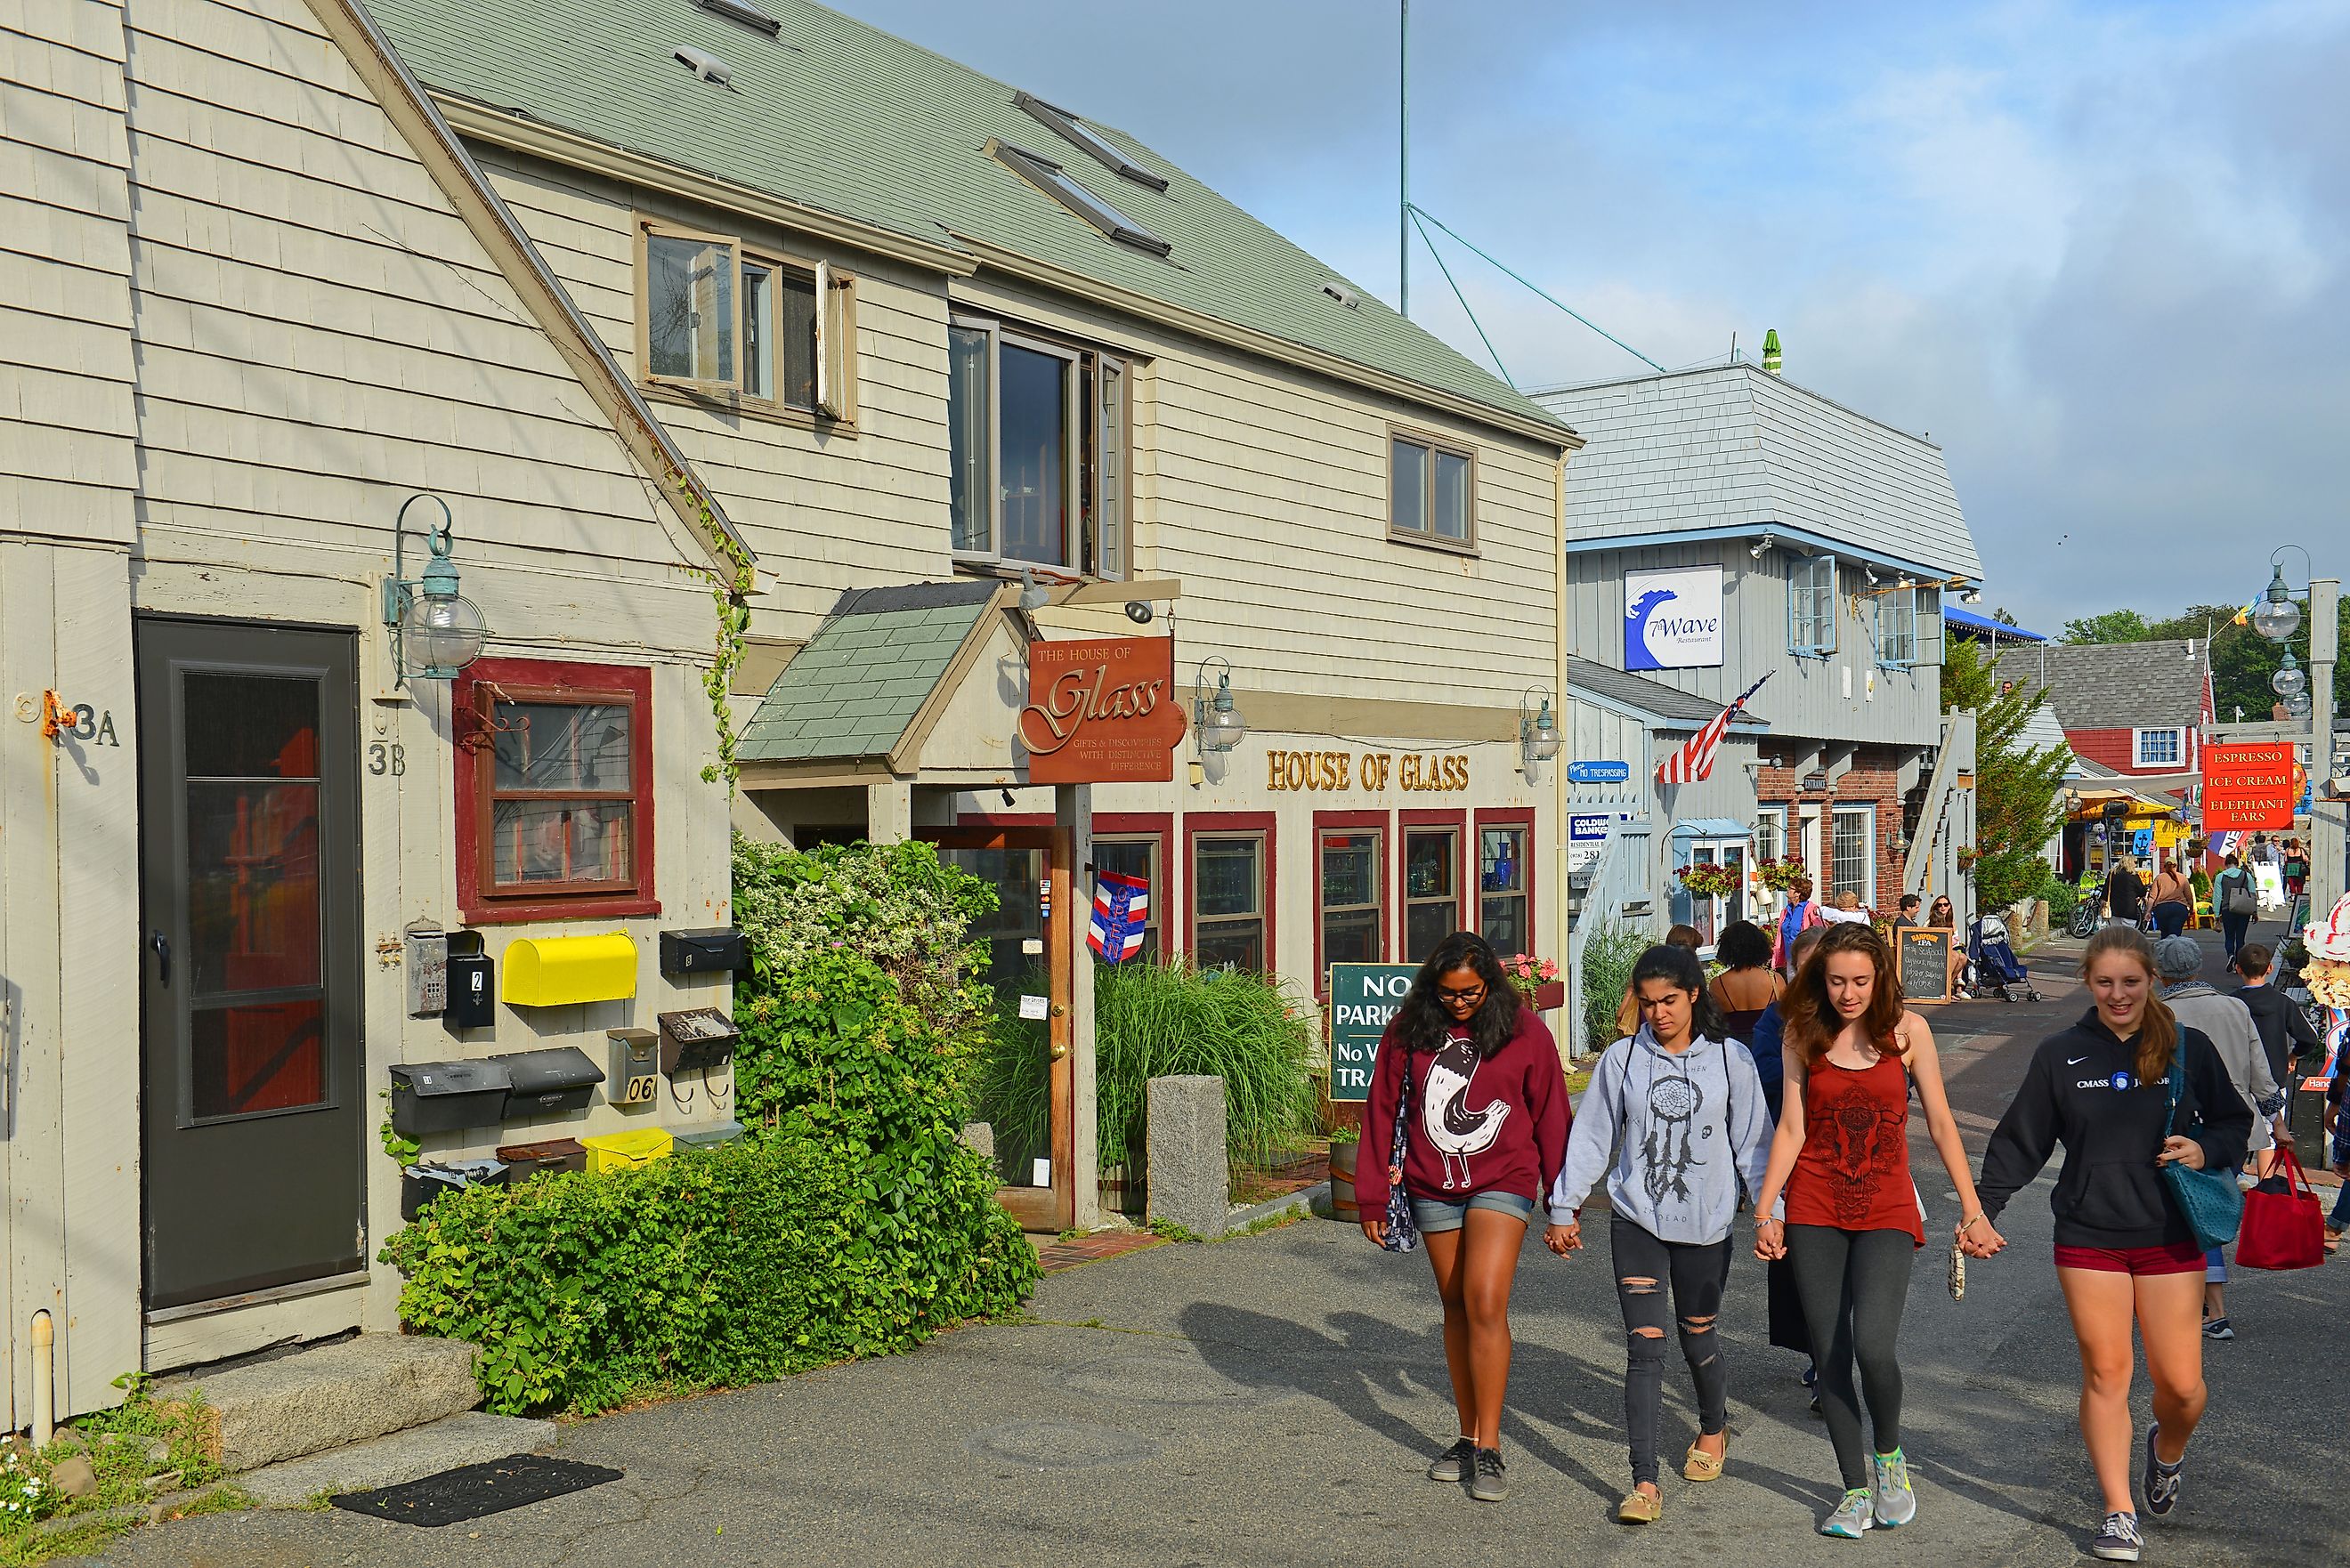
(1475,994)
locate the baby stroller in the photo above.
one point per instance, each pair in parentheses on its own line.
(1992,968)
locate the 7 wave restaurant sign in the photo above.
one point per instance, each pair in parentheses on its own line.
(1102,711)
(1672,620)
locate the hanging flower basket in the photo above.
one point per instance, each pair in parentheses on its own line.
(1705,880)
(1537,980)
(1779,874)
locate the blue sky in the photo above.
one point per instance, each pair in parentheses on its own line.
(2101,253)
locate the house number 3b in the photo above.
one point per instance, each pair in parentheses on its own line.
(387,758)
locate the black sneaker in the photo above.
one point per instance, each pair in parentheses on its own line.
(1453,1462)
(2217,1328)
(2160,1480)
(2118,1540)
(1487,1483)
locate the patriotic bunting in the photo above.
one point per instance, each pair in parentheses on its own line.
(1121,910)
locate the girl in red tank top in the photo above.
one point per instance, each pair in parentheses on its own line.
(1852,1225)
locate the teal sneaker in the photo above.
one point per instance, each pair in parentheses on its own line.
(1894,1502)
(1851,1518)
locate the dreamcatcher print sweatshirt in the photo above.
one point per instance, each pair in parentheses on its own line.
(1492,1125)
(1676,1135)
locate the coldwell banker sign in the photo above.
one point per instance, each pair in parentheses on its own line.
(1672,620)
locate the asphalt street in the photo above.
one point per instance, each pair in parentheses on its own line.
(1272,1400)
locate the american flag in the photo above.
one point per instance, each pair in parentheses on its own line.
(1121,914)
(1693,762)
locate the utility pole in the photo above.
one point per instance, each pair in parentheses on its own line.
(1403,150)
(2326,825)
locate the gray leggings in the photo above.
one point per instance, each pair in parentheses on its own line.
(1644,1266)
(1854,1285)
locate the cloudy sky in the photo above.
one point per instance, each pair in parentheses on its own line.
(2101,253)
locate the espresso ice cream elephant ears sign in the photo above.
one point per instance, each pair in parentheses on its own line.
(1102,711)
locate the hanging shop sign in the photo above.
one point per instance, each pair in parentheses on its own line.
(1672,620)
(1363,998)
(1102,711)
(2250,787)
(1340,773)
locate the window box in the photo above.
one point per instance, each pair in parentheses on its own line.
(1039,435)
(554,791)
(1431,490)
(760,330)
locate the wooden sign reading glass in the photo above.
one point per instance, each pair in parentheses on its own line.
(1102,711)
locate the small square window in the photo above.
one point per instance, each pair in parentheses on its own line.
(2159,748)
(1431,492)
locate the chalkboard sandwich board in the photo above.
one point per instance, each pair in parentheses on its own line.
(1363,998)
(1923,958)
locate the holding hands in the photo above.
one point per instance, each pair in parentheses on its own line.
(1978,1238)
(1563,1239)
(1769,1238)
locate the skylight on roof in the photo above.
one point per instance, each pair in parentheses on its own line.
(1048,177)
(743,11)
(1081,136)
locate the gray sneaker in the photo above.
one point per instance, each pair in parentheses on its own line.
(1453,1462)
(1852,1518)
(1895,1503)
(2118,1540)
(1487,1483)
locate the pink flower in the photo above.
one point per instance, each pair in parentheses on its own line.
(1549,969)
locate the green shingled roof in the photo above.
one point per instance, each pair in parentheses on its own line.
(853,690)
(837,116)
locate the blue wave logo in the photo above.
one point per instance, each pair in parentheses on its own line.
(1638,655)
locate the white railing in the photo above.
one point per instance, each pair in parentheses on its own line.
(1618,894)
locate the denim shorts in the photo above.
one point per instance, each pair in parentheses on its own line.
(1436,1214)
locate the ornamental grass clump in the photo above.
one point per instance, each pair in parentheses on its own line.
(1608,954)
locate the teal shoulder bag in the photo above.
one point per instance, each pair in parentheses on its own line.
(2210,1199)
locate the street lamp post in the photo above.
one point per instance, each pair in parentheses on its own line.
(2276,617)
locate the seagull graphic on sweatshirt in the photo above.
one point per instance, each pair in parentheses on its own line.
(1454,1130)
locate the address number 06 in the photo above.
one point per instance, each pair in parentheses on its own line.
(641,1091)
(387,757)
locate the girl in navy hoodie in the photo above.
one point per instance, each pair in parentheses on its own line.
(1485,1125)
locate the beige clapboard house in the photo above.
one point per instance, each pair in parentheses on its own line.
(653,296)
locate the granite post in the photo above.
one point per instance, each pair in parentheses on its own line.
(1190,1183)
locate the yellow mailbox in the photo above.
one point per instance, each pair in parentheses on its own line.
(550,971)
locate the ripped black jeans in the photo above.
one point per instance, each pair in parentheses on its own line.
(1645,1268)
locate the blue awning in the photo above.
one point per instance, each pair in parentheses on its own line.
(1710,828)
(1958,616)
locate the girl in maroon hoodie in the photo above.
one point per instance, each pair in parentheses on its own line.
(1484,1136)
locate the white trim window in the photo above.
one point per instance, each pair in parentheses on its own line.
(2158,747)
(1909,628)
(1770,832)
(1852,854)
(1038,434)
(1812,606)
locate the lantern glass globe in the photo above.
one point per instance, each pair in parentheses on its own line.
(2288,682)
(2276,618)
(442,634)
(2298,704)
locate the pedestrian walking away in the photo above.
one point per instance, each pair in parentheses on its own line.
(2173,899)
(2124,1250)
(1646,1124)
(2296,878)
(2227,1024)
(1747,985)
(2287,1036)
(2126,895)
(1485,1118)
(1853,1219)
(2236,897)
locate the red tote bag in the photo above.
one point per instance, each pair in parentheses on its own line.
(2283,1229)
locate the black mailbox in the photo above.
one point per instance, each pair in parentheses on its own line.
(546,1082)
(447,1096)
(472,984)
(696,1040)
(421,1184)
(711,951)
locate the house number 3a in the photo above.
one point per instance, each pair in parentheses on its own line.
(387,758)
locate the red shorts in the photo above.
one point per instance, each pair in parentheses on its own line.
(2179,1258)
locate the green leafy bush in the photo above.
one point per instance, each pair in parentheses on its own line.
(716,1266)
(1153,1020)
(1608,954)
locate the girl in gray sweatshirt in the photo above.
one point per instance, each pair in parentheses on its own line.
(1676,1121)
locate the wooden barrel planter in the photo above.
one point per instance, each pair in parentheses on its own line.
(1342,1180)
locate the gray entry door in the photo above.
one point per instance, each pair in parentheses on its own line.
(249,882)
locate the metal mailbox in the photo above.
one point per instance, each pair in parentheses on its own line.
(470,989)
(633,1084)
(695,1040)
(524,1160)
(421,1184)
(447,1096)
(544,1083)
(718,948)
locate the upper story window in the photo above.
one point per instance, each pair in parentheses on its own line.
(722,319)
(2160,748)
(1431,490)
(1910,626)
(1038,435)
(1812,606)
(555,796)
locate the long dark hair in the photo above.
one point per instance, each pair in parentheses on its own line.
(1810,1018)
(1679,967)
(1425,1025)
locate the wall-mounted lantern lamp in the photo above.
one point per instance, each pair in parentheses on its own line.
(1538,734)
(435,631)
(1216,725)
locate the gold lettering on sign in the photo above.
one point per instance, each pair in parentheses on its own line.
(1335,773)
